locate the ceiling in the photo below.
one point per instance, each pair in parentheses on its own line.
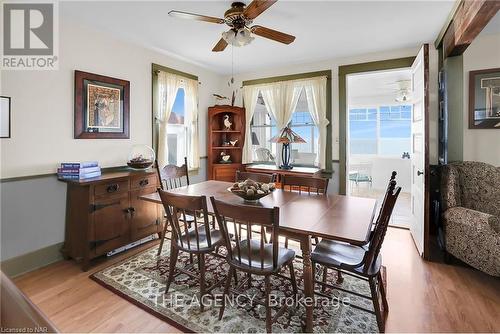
(376,84)
(493,27)
(324,29)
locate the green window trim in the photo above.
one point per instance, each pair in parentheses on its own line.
(328,74)
(345,70)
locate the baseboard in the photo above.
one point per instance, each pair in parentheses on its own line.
(28,262)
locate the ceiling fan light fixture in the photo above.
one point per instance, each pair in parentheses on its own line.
(240,37)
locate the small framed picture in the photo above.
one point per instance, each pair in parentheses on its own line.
(101,107)
(484,99)
(5,117)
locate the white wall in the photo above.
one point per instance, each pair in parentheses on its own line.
(480,145)
(33,211)
(42,102)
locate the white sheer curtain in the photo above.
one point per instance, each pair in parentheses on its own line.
(168,85)
(315,89)
(281,100)
(250,94)
(191,121)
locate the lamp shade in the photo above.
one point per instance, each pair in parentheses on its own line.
(287,136)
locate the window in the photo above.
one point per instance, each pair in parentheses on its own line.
(385,130)
(177,131)
(263,128)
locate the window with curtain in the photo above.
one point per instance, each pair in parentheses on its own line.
(383,130)
(176,118)
(263,127)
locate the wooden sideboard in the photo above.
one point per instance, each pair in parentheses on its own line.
(105,213)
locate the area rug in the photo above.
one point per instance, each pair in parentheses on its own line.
(141,280)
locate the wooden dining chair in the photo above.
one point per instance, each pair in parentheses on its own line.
(198,240)
(257,177)
(361,262)
(250,253)
(171,177)
(310,185)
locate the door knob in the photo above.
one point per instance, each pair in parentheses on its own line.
(419,172)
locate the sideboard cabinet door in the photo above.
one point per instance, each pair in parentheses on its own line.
(145,214)
(110,223)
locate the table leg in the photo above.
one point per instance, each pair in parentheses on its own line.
(305,246)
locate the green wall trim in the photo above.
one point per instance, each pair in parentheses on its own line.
(157,67)
(453,67)
(328,74)
(345,70)
(28,262)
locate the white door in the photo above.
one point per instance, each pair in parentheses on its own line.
(419,156)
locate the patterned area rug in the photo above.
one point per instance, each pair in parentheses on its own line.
(141,280)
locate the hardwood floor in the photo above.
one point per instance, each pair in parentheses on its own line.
(423,296)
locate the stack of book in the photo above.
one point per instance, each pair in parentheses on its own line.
(78,170)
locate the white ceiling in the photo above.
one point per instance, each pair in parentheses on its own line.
(324,29)
(376,84)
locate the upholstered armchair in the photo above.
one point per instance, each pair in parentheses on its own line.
(471,214)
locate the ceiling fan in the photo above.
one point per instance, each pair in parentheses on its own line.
(239,18)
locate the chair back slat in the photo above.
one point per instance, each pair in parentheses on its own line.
(179,206)
(171,176)
(382,222)
(255,243)
(316,185)
(257,177)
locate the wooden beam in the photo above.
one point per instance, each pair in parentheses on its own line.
(469,19)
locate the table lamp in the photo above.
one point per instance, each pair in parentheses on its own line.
(286,137)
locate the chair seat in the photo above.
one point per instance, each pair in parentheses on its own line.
(345,256)
(216,238)
(284,256)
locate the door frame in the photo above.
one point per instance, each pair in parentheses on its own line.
(389,64)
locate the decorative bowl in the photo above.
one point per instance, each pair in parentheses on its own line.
(141,157)
(251,196)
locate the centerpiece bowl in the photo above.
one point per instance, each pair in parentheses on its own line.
(251,191)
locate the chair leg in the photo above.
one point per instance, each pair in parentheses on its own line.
(286,242)
(340,279)
(201,260)
(269,324)
(230,274)
(249,280)
(174,253)
(376,304)
(164,234)
(325,274)
(292,277)
(382,292)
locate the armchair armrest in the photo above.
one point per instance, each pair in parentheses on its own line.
(450,187)
(472,218)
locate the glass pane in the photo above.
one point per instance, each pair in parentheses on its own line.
(394,147)
(177,114)
(177,143)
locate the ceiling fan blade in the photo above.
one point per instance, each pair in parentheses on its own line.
(257,7)
(191,16)
(220,46)
(275,35)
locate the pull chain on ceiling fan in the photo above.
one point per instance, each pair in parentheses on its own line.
(239,18)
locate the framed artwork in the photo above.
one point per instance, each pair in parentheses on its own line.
(484,99)
(101,107)
(4,117)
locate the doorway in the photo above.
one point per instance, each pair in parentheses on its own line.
(379,114)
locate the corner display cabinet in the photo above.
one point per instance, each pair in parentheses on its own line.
(226,136)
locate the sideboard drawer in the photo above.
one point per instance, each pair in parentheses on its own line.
(143,182)
(112,188)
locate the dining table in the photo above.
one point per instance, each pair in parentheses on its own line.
(302,216)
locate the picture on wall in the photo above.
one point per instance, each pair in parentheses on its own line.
(484,99)
(101,107)
(4,117)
